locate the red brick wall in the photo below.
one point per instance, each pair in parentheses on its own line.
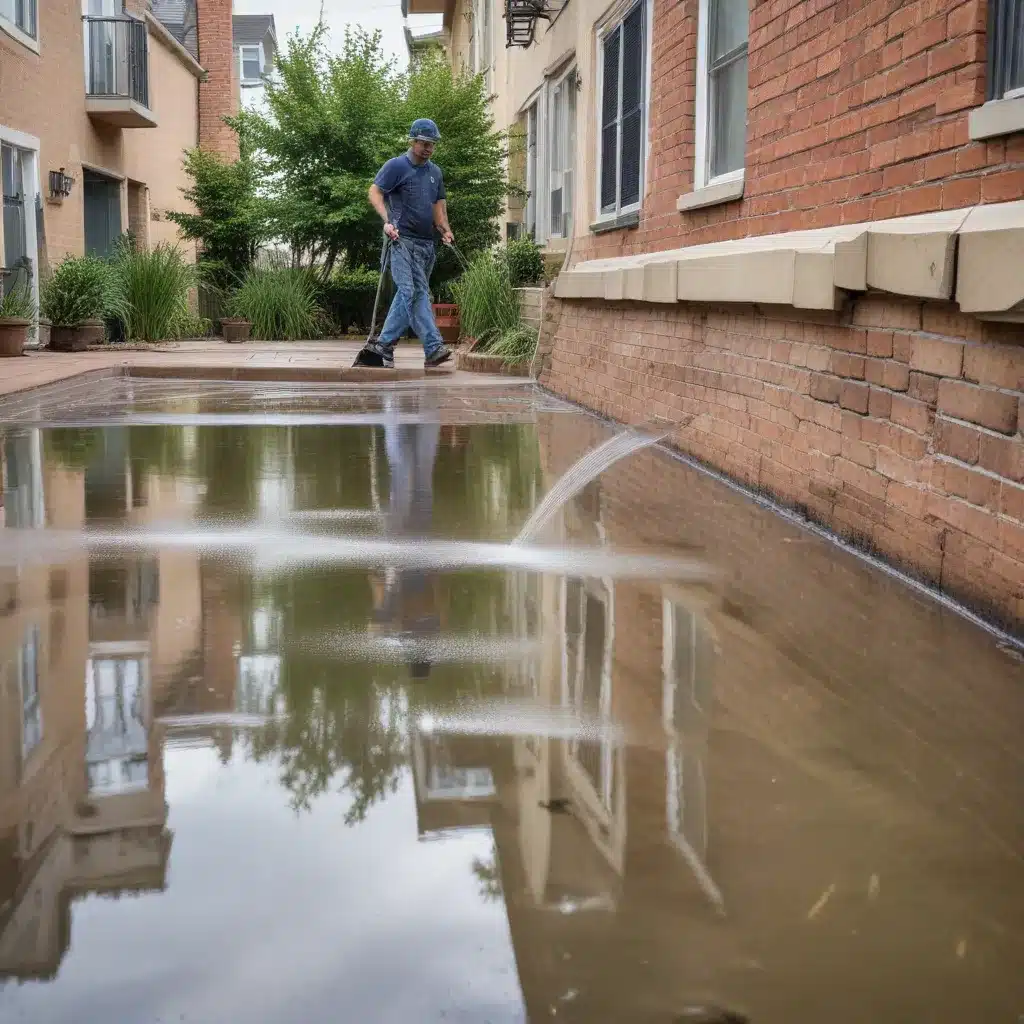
(894,423)
(218,95)
(857,111)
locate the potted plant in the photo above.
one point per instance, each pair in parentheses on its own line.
(446,314)
(17,311)
(80,292)
(235,325)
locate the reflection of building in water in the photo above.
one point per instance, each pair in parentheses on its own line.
(81,780)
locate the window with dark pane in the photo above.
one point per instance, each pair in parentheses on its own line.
(23,14)
(728,31)
(1005,49)
(250,63)
(610,122)
(623,101)
(631,155)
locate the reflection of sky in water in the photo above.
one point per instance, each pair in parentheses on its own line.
(365,923)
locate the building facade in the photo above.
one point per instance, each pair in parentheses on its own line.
(792,230)
(254,40)
(96,106)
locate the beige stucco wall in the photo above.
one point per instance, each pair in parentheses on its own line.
(155,156)
(518,74)
(43,95)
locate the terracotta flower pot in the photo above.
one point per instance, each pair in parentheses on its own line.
(236,331)
(13,335)
(78,339)
(446,316)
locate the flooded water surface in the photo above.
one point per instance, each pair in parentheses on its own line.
(312,709)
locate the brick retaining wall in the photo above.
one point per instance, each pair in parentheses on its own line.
(894,423)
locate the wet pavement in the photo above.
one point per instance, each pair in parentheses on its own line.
(333,770)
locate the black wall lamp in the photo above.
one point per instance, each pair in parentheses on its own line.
(60,184)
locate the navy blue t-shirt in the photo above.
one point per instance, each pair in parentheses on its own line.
(410,191)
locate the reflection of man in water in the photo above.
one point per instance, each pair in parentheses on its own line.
(408,598)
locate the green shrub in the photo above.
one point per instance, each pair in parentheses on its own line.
(17,303)
(348,298)
(517,344)
(489,310)
(488,305)
(153,290)
(281,304)
(191,325)
(524,260)
(80,288)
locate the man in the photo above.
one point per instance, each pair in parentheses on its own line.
(409,599)
(409,195)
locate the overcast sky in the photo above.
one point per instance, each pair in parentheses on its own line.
(385,15)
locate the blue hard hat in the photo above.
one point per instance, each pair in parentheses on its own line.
(424,130)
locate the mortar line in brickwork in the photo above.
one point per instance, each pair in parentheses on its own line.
(794,517)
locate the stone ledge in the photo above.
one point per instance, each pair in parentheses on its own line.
(915,257)
(711,195)
(480,362)
(997,118)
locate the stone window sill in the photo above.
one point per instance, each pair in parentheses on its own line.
(711,195)
(996,118)
(18,36)
(624,220)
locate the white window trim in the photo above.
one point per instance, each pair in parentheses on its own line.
(610,24)
(30,145)
(603,589)
(551,86)
(12,30)
(242,80)
(483,47)
(701,178)
(540,200)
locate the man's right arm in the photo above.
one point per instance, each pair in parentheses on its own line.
(377,201)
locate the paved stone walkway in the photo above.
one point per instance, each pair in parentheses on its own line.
(317,360)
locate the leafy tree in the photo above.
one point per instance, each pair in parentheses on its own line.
(231,220)
(331,121)
(471,154)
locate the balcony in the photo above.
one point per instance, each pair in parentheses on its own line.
(117,72)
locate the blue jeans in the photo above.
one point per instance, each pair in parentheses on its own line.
(412,261)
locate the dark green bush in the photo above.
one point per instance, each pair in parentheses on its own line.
(524,260)
(348,299)
(282,305)
(80,288)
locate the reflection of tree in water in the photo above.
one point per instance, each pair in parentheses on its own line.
(342,733)
(344,725)
(488,874)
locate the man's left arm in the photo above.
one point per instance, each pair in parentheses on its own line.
(441,214)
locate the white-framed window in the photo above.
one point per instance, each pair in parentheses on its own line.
(587,644)
(624,68)
(688,661)
(24,500)
(481,56)
(721,135)
(20,19)
(532,167)
(250,63)
(1005,49)
(562,150)
(28,680)
(19,177)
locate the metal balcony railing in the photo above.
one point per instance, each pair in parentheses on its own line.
(117,59)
